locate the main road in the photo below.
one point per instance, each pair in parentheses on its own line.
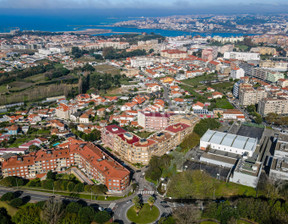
(119,207)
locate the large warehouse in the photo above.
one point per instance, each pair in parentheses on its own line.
(228,142)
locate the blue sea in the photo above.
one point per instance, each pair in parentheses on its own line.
(69,20)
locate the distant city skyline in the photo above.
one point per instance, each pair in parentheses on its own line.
(146,4)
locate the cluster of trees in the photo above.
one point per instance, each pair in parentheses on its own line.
(13,199)
(56,73)
(134,38)
(57,182)
(104,81)
(78,53)
(37,93)
(6,78)
(157,166)
(256,209)
(138,203)
(13,181)
(111,53)
(276,119)
(257,117)
(55,211)
(91,137)
(189,142)
(206,124)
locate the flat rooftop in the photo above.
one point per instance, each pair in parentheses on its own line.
(231,140)
(251,132)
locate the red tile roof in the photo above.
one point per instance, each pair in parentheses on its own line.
(177,127)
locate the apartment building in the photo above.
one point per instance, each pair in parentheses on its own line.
(273,105)
(237,73)
(153,120)
(95,163)
(109,133)
(243,56)
(165,142)
(279,166)
(133,149)
(65,111)
(174,54)
(249,95)
(179,131)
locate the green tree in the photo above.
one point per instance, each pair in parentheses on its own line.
(48,184)
(136,199)
(28,214)
(73,207)
(5,218)
(151,201)
(12,181)
(137,208)
(70,218)
(34,183)
(79,187)
(70,186)
(51,175)
(99,189)
(16,202)
(206,124)
(86,215)
(251,108)
(8,196)
(102,217)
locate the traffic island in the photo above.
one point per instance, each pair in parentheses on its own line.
(145,215)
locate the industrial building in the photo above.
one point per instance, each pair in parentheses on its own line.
(229,143)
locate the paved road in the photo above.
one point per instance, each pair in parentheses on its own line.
(121,205)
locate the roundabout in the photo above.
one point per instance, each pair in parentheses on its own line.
(146,214)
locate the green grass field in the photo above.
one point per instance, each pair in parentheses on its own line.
(107,69)
(11,210)
(145,215)
(197,184)
(20,141)
(36,78)
(224,104)
(223,86)
(197,80)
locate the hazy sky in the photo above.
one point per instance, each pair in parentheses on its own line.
(136,3)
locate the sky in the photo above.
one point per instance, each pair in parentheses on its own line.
(148,8)
(173,4)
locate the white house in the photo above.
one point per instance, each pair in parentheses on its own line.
(237,73)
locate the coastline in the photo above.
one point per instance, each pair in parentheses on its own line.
(109,30)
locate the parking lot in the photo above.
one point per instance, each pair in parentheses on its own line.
(214,171)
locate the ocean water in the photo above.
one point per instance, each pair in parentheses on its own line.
(69,20)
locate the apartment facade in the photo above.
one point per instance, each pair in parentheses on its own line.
(271,105)
(109,133)
(251,96)
(153,120)
(173,54)
(133,149)
(95,163)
